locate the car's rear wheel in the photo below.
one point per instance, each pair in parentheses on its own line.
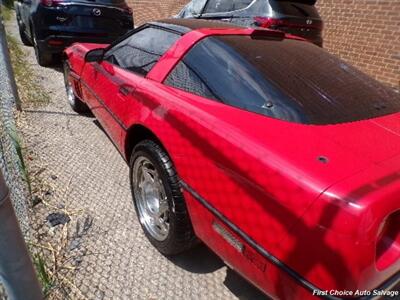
(158,200)
(24,38)
(76,104)
(43,58)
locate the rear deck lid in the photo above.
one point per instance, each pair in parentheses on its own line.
(93,18)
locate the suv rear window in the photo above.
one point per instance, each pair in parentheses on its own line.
(295,8)
(216,6)
(105,2)
(289,80)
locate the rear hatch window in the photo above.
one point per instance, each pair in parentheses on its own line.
(283,79)
(301,8)
(222,6)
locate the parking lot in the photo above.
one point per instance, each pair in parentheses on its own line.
(89,177)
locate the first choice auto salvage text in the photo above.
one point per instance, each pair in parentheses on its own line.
(359,293)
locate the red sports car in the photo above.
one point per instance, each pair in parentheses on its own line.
(280,157)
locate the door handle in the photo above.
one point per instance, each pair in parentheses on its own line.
(126,89)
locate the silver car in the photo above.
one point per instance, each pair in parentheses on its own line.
(297,17)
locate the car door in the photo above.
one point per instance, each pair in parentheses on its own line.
(116,78)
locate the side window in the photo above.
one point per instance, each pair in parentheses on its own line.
(182,77)
(217,6)
(212,69)
(140,51)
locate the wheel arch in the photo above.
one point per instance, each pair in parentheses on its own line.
(137,133)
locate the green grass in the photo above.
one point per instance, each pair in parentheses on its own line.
(30,92)
(8,3)
(44,276)
(21,164)
(7,10)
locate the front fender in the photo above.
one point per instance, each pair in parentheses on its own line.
(75,55)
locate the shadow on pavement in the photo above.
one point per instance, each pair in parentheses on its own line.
(57,64)
(199,260)
(58,68)
(202,260)
(241,288)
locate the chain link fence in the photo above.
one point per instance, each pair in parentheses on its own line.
(11,161)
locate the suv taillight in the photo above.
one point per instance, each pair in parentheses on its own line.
(272,23)
(51,3)
(267,22)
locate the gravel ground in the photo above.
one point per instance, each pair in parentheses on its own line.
(88,177)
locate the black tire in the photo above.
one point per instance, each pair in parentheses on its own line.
(180,236)
(76,104)
(24,38)
(43,58)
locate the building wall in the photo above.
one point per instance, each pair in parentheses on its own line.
(150,10)
(366,33)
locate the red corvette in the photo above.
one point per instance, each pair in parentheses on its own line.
(280,157)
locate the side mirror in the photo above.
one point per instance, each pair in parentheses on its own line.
(94,55)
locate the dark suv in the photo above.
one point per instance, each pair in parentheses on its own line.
(298,17)
(52,25)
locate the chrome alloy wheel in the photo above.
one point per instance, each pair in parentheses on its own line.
(151,199)
(70,91)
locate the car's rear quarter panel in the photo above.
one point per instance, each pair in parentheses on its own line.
(262,190)
(350,215)
(262,178)
(230,175)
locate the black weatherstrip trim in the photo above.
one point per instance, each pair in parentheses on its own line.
(104,105)
(275,261)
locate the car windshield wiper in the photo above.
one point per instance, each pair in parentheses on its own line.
(204,8)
